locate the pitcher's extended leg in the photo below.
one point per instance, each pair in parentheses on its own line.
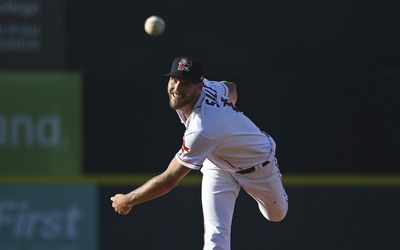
(219,193)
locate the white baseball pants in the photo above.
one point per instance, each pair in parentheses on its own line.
(220,190)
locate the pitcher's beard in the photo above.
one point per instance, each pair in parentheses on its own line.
(177,103)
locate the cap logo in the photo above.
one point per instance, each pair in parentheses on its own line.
(184,65)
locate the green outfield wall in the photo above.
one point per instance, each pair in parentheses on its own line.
(40,122)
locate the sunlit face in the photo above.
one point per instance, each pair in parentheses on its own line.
(183,93)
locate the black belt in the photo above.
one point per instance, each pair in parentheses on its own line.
(252,169)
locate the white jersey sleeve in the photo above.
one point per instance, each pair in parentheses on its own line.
(195,149)
(220,87)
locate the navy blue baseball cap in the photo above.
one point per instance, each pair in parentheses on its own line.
(187,68)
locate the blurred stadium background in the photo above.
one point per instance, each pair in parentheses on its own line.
(84,114)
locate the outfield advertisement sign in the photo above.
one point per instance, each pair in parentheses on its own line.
(32,34)
(40,123)
(48,217)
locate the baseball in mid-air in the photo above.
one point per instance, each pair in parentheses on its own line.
(154,26)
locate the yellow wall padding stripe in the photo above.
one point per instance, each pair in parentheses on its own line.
(194,179)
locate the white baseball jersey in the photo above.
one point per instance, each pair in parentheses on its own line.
(216,131)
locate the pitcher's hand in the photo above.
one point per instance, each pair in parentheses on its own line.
(120,203)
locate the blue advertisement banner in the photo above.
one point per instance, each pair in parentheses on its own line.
(48,217)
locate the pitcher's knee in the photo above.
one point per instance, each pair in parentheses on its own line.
(277,214)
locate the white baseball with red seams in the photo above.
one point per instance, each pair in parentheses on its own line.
(154,26)
(220,141)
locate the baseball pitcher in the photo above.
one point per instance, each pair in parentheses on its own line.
(226,146)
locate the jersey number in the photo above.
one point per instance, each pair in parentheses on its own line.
(211,96)
(212,99)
